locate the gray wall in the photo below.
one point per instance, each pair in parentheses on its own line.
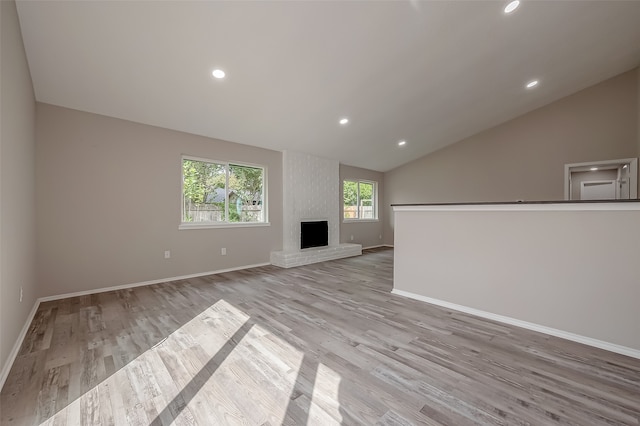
(574,271)
(638,106)
(17,184)
(365,233)
(524,158)
(109,196)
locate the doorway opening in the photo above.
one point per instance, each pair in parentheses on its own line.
(601,180)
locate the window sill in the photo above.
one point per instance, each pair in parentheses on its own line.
(359,220)
(187,226)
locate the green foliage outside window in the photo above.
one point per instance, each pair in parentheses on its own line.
(359,199)
(216,192)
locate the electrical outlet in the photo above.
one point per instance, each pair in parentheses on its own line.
(352,238)
(380,236)
(223,251)
(20,294)
(167,254)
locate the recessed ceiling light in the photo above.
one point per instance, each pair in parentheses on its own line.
(218,73)
(344,121)
(402,143)
(593,169)
(532,84)
(512,6)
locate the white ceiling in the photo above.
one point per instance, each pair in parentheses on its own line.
(428,72)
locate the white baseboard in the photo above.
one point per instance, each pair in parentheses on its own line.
(377,246)
(612,347)
(16,347)
(143,283)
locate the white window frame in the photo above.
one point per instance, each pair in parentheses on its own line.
(374,204)
(225,223)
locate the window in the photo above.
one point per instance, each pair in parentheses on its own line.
(216,193)
(360,199)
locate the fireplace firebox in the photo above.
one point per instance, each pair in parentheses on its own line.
(314,234)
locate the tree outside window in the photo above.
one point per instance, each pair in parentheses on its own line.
(359,199)
(215,192)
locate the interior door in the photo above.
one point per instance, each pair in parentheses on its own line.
(598,190)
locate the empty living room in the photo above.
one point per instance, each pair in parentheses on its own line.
(319,212)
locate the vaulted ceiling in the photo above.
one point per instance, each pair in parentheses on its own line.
(430,73)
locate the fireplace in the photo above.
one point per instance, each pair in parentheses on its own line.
(314,234)
(311,213)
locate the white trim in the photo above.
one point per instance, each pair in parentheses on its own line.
(151,282)
(372,247)
(16,347)
(608,206)
(211,225)
(612,347)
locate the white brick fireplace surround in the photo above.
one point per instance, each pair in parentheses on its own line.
(311,192)
(290,259)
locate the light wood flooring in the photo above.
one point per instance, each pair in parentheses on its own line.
(321,344)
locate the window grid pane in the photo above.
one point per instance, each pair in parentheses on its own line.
(366,200)
(245,194)
(350,197)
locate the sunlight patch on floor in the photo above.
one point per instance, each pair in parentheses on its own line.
(325,407)
(176,378)
(221,367)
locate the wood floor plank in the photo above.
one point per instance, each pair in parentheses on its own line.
(319,344)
